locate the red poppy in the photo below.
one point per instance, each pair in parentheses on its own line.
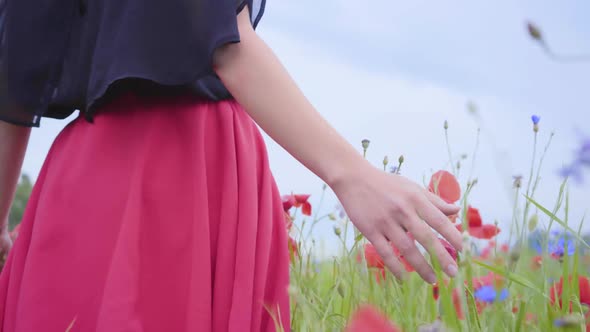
(476,228)
(505,247)
(536,262)
(288,202)
(297,201)
(368,319)
(473,217)
(584,295)
(445,185)
(484,232)
(293,249)
(372,257)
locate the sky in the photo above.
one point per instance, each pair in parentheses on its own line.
(393,71)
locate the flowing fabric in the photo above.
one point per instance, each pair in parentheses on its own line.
(163,215)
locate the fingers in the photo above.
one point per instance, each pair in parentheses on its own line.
(439,203)
(437,220)
(410,252)
(389,258)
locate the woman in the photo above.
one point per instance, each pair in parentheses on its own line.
(156,209)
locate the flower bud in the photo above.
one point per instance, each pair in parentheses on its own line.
(337,231)
(385,161)
(401,159)
(533,222)
(446,125)
(365,143)
(534,31)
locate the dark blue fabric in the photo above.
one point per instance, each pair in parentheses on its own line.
(59,56)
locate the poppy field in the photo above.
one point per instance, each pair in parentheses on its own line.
(534,279)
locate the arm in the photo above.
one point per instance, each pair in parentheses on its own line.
(381,205)
(14,140)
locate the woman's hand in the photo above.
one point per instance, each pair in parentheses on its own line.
(380,205)
(384,206)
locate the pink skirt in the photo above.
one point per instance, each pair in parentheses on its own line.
(163,215)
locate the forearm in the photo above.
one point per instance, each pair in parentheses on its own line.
(13,144)
(258,81)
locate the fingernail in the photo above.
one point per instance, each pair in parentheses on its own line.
(431,279)
(452,270)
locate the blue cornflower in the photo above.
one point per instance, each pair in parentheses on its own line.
(572,171)
(488,293)
(536,119)
(583,155)
(557,248)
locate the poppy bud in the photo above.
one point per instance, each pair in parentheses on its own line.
(337,231)
(533,222)
(446,125)
(385,161)
(534,31)
(401,159)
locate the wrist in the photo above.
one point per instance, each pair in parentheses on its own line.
(347,172)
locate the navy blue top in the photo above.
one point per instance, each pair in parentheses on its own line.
(57,56)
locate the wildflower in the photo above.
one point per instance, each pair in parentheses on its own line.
(445,185)
(584,291)
(557,249)
(488,294)
(435,291)
(536,262)
(393,169)
(374,260)
(505,248)
(476,227)
(572,171)
(535,119)
(368,319)
(297,201)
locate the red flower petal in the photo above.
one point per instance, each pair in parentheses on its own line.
(435,292)
(369,319)
(306,209)
(372,257)
(450,249)
(504,248)
(288,202)
(473,217)
(374,260)
(584,286)
(301,199)
(445,185)
(484,232)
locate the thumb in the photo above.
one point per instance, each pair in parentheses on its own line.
(444,207)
